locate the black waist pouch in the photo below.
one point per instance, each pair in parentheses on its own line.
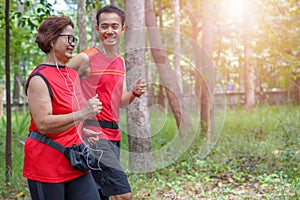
(80,155)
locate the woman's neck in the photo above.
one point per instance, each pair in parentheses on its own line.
(51,60)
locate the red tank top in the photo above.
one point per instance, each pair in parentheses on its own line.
(106,79)
(42,162)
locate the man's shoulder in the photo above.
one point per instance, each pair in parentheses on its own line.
(90,51)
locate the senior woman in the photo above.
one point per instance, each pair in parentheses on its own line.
(57,109)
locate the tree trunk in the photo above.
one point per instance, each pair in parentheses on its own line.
(297,90)
(17,77)
(177,43)
(149,79)
(1,100)
(81,20)
(93,24)
(8,152)
(113,2)
(206,81)
(139,134)
(16,89)
(161,98)
(249,69)
(166,74)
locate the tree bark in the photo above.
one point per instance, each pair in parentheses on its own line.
(1,100)
(81,20)
(249,69)
(166,74)
(17,77)
(206,81)
(297,90)
(8,152)
(113,2)
(177,67)
(139,134)
(93,24)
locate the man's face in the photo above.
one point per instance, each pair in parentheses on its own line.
(110,28)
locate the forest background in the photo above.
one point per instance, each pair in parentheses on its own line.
(205,63)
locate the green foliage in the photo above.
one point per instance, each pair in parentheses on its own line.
(24,53)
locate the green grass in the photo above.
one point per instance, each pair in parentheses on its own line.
(17,185)
(257,156)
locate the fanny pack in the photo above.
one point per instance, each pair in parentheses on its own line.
(79,155)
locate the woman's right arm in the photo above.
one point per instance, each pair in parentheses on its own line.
(41,109)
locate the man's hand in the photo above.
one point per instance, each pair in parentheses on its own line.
(90,136)
(139,87)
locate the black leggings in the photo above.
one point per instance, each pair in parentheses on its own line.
(81,188)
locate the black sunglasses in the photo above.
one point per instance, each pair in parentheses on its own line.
(71,39)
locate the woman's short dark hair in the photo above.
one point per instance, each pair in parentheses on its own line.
(50,30)
(111,9)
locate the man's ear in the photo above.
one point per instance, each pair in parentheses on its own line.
(123,28)
(97,28)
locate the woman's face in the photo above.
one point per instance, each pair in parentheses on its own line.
(64,45)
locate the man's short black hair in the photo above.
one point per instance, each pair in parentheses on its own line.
(111,9)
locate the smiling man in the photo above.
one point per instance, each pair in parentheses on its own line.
(102,72)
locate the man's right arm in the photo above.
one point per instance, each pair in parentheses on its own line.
(81,64)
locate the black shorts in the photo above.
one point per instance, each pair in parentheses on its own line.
(108,173)
(81,188)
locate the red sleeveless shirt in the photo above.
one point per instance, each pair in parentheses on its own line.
(106,79)
(42,162)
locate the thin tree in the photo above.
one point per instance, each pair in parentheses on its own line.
(249,69)
(177,67)
(1,100)
(206,81)
(139,134)
(81,21)
(161,96)
(166,74)
(8,152)
(17,77)
(93,23)
(113,2)
(204,74)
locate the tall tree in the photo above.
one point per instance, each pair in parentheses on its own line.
(81,21)
(17,76)
(177,67)
(139,134)
(161,96)
(249,68)
(166,74)
(8,152)
(113,2)
(297,90)
(1,100)
(205,82)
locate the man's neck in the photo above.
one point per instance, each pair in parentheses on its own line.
(109,52)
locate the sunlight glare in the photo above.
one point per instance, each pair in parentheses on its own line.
(235,9)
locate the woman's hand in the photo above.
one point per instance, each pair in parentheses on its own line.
(92,107)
